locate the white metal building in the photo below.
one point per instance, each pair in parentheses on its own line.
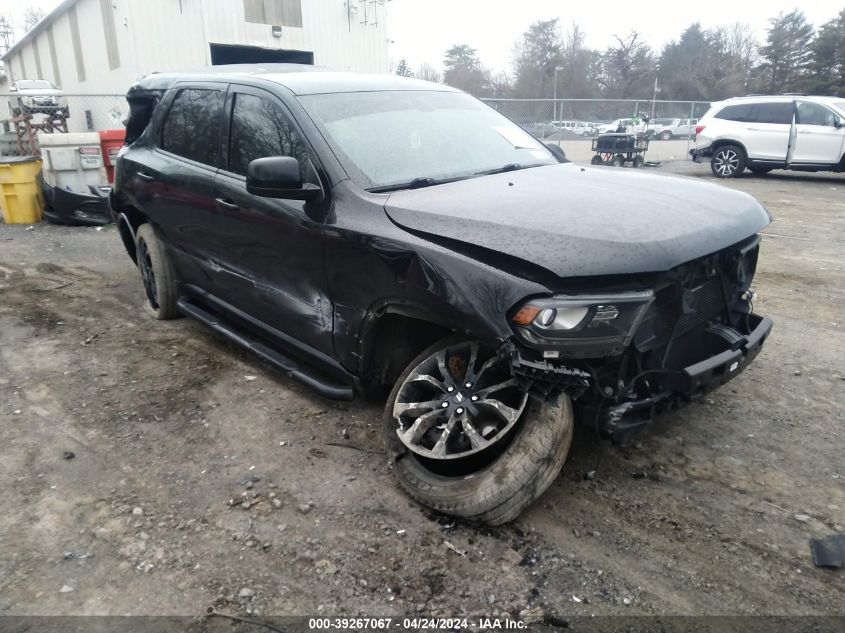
(102,46)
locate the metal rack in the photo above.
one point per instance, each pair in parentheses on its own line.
(26,128)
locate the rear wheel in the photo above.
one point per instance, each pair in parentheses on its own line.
(665,135)
(157,274)
(465,439)
(728,162)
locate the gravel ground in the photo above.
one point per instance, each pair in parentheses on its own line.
(201,477)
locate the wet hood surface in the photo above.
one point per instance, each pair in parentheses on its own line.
(577,221)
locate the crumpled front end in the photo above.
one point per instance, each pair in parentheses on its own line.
(691,332)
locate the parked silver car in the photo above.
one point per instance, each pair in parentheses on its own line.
(37,96)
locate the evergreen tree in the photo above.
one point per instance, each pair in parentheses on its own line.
(787,53)
(827,67)
(463,69)
(403,70)
(535,58)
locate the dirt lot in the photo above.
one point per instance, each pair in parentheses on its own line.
(202,477)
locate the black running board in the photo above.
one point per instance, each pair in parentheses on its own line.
(286,365)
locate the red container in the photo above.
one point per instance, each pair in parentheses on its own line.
(110,143)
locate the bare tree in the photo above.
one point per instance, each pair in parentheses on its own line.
(427,72)
(7,34)
(628,67)
(736,52)
(31,17)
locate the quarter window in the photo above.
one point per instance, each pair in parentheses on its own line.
(814,114)
(192,126)
(261,128)
(740,112)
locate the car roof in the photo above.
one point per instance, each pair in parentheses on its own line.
(778,98)
(298,78)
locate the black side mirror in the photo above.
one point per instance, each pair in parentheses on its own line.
(558,152)
(279,177)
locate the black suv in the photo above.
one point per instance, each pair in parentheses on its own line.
(374,233)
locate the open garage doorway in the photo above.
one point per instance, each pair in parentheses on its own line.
(236,54)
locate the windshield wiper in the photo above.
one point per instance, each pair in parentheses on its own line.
(416,183)
(504,168)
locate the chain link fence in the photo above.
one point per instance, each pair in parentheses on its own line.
(571,122)
(64,113)
(564,121)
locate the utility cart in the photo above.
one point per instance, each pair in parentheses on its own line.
(618,149)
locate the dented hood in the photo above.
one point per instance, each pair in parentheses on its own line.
(581,221)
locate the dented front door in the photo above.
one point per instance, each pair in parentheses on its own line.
(274,249)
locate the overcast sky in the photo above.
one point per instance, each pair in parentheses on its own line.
(421,30)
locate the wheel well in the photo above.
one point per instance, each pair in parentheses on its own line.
(396,339)
(129,219)
(722,142)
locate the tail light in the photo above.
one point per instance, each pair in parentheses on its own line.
(699,129)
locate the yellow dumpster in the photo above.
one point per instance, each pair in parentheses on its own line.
(20,192)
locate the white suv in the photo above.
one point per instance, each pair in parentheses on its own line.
(778,132)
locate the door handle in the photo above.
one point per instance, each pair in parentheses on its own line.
(145,176)
(226,204)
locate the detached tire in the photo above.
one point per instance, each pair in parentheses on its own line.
(157,274)
(501,481)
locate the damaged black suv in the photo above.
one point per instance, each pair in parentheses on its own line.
(374,233)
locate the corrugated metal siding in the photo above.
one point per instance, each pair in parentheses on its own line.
(39,73)
(167,37)
(64,53)
(112,52)
(338,42)
(51,44)
(77,44)
(274,12)
(163,35)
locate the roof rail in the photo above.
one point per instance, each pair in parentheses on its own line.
(782,94)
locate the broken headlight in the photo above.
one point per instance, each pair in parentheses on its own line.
(582,321)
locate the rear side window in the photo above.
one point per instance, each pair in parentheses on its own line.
(261,128)
(740,112)
(192,126)
(773,113)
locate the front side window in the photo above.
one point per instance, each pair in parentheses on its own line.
(393,137)
(192,126)
(814,114)
(261,128)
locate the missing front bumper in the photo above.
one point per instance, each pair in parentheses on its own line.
(727,360)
